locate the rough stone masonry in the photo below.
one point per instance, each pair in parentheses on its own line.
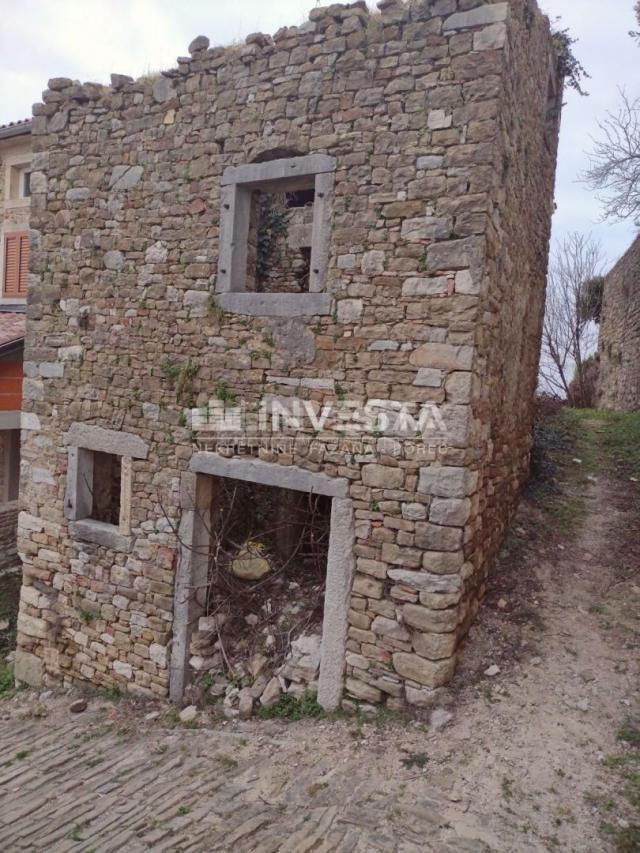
(619,341)
(428,132)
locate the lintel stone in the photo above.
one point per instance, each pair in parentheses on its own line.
(104,440)
(278,170)
(269,474)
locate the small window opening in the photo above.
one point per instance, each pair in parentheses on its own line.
(107,475)
(279,242)
(26,185)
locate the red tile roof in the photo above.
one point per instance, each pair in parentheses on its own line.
(15,128)
(12,328)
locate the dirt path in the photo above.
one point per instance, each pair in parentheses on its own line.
(541,756)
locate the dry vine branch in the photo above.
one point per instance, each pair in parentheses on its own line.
(614,169)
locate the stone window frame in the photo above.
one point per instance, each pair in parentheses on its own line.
(17,164)
(236,186)
(84,440)
(197,490)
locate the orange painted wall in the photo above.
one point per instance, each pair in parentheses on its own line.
(10,385)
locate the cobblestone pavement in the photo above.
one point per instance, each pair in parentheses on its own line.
(107,780)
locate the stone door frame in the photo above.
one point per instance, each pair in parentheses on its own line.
(196,498)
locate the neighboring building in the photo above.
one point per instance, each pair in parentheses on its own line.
(15,175)
(356,209)
(619,342)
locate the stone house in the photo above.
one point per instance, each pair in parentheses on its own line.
(619,339)
(351,215)
(15,170)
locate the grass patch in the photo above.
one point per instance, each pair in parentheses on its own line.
(420,759)
(289,708)
(617,437)
(626,767)
(9,597)
(6,680)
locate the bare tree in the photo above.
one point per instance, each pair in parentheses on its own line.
(635,33)
(569,334)
(614,169)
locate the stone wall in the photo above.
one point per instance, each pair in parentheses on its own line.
(619,342)
(8,525)
(441,119)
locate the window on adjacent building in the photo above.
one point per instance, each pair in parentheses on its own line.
(25,184)
(16,265)
(18,183)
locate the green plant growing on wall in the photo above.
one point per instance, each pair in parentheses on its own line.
(225,393)
(272,227)
(569,65)
(214,311)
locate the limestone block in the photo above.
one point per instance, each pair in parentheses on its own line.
(362,691)
(373,262)
(124,177)
(28,668)
(490,38)
(389,628)
(425,620)
(426,286)
(452,511)
(423,671)
(427,581)
(442,562)
(437,538)
(443,356)
(434,646)
(123,669)
(382,476)
(486,14)
(445,481)
(349,310)
(428,377)
(113,260)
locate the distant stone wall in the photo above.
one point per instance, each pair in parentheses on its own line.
(433,127)
(8,527)
(619,343)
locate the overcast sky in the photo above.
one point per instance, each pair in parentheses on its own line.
(90,39)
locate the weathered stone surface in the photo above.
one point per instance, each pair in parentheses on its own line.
(619,341)
(437,621)
(412,128)
(434,537)
(113,260)
(428,377)
(486,14)
(434,646)
(426,581)
(125,177)
(443,356)
(373,262)
(198,44)
(429,673)
(453,511)
(382,476)
(389,628)
(28,668)
(349,310)
(447,482)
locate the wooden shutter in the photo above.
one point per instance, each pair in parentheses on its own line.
(16,265)
(23,280)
